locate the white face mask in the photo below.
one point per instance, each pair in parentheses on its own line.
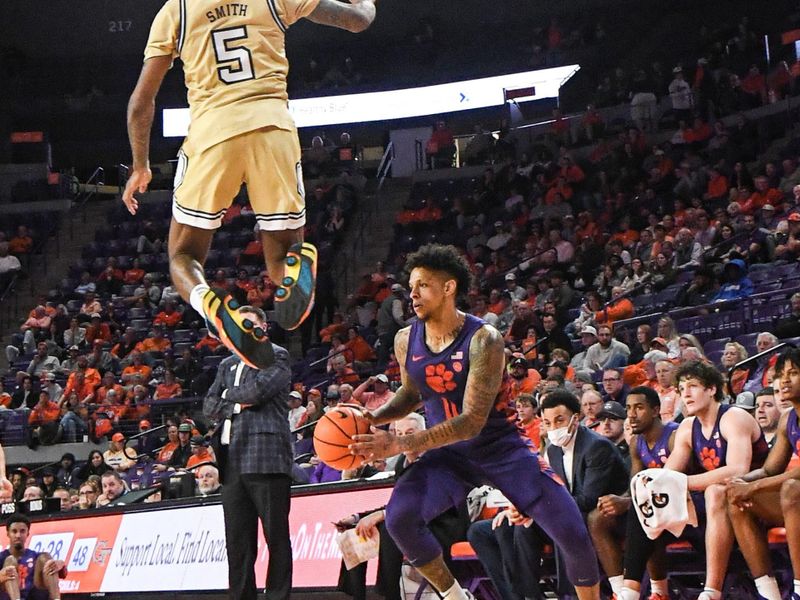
(560,437)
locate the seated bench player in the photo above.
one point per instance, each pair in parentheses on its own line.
(726,442)
(770,496)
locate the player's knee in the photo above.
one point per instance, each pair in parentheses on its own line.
(715,498)
(10,561)
(790,494)
(478,532)
(596,522)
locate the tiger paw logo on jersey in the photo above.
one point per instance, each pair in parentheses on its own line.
(709,459)
(439,379)
(797,447)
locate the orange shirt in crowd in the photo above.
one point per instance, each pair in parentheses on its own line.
(5,399)
(207,342)
(101,393)
(166,452)
(360,349)
(20,245)
(153,345)
(133,276)
(168,320)
(532,431)
(165,391)
(718,187)
(91,379)
(526,385)
(205,455)
(44,414)
(621,309)
(142,370)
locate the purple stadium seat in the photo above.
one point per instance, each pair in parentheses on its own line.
(717,345)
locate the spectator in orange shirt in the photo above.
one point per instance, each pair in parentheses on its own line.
(209,345)
(619,308)
(44,419)
(527,418)
(441,146)
(134,275)
(90,306)
(201,452)
(78,385)
(359,347)
(5,397)
(337,327)
(169,317)
(754,86)
(97,330)
(137,367)
(261,294)
(169,389)
(22,243)
(522,380)
(91,376)
(762,196)
(717,185)
(109,383)
(561,187)
(156,343)
(342,373)
(163,456)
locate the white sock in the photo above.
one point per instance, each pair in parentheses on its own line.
(617,582)
(767,587)
(628,594)
(710,594)
(797,586)
(456,592)
(659,586)
(196,296)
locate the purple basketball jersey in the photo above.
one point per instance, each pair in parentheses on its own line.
(712,452)
(655,457)
(793,431)
(441,378)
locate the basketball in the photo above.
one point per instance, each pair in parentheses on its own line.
(333,434)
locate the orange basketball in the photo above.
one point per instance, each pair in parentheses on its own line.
(333,434)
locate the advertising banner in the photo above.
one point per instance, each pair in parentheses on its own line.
(177,549)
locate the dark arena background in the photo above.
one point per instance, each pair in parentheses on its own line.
(622,178)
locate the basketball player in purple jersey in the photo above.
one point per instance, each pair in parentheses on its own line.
(453,363)
(770,496)
(651,446)
(726,442)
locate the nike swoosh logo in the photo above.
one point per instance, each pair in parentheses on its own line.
(417,358)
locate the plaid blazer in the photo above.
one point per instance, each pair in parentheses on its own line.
(260,437)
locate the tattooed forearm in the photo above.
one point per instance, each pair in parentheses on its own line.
(404,402)
(483,384)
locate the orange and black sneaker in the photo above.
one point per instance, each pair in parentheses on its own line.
(294,299)
(239,334)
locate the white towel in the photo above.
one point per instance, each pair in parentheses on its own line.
(662,501)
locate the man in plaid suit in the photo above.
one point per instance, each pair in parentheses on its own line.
(251,408)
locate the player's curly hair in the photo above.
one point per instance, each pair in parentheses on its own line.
(702,371)
(788,357)
(447,259)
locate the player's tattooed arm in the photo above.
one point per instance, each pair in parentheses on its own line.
(407,397)
(487,360)
(354,17)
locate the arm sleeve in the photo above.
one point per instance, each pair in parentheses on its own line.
(266,385)
(292,11)
(163,39)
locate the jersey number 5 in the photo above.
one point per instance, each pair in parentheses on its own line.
(242,67)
